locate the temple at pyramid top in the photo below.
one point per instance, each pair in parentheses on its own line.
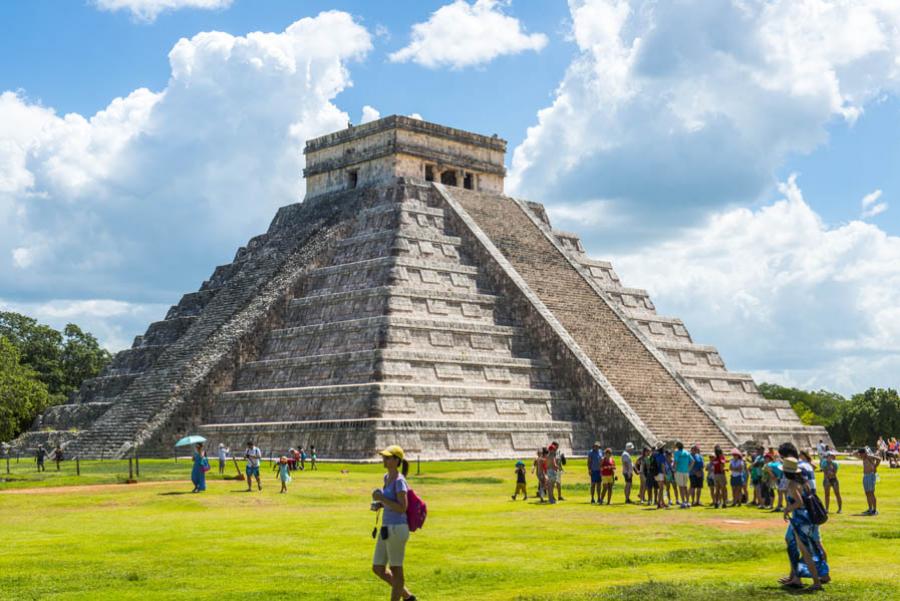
(396,146)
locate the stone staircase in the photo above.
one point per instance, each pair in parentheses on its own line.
(399,339)
(153,392)
(631,365)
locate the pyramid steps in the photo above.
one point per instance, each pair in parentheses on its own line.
(646,384)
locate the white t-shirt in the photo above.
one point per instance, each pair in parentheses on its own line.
(253,456)
(223,453)
(627,467)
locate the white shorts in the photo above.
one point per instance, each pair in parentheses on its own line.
(682,479)
(660,477)
(391,551)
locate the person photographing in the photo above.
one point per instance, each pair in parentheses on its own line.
(391,538)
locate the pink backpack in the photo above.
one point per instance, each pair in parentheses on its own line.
(416,511)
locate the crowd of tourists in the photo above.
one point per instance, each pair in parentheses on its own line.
(779,479)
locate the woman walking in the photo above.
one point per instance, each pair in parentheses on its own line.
(804,543)
(390,541)
(201,466)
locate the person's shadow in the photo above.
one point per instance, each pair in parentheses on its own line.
(175,492)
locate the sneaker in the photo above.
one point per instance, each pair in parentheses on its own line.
(513,497)
(874,512)
(593,502)
(838,510)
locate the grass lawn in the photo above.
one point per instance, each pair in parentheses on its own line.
(155,540)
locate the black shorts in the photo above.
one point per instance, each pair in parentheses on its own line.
(696,481)
(627,478)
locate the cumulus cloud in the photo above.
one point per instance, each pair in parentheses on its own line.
(140,201)
(369,114)
(461,35)
(782,294)
(148,10)
(675,109)
(870,205)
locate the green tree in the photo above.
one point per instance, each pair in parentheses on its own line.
(815,408)
(62,360)
(22,395)
(874,413)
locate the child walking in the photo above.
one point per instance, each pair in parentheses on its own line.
(284,473)
(520,480)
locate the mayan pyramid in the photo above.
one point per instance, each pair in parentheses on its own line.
(407,300)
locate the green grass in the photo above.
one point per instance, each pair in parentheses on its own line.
(157,541)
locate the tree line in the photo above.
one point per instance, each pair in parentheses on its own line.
(857,421)
(40,367)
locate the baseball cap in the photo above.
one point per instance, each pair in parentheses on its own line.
(392,451)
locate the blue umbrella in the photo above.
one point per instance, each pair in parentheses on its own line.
(189,440)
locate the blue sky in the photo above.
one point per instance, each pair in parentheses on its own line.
(738,159)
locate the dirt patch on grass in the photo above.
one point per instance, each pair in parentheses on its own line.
(745,525)
(89,488)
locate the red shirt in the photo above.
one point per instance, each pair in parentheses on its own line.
(719,464)
(607,466)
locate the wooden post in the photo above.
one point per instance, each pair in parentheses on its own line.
(131,471)
(418,465)
(77,466)
(137,464)
(7,463)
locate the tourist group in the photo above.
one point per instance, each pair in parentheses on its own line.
(294,460)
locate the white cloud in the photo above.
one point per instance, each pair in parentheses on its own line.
(675,109)
(870,205)
(148,10)
(369,114)
(782,294)
(461,35)
(140,201)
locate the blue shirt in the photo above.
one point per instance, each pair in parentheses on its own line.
(776,469)
(391,492)
(594,457)
(682,461)
(662,464)
(698,464)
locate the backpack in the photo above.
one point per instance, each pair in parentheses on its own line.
(416,511)
(815,509)
(562,459)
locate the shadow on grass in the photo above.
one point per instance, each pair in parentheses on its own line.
(174,493)
(717,591)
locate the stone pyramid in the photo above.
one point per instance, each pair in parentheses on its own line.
(408,301)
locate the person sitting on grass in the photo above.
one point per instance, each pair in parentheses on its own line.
(607,476)
(201,466)
(683,461)
(737,467)
(284,473)
(253,456)
(594,458)
(390,541)
(520,481)
(696,474)
(870,477)
(829,467)
(803,541)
